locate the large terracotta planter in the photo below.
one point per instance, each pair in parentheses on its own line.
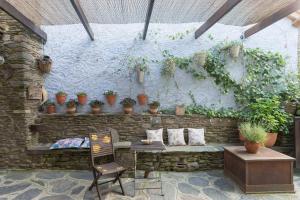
(71,110)
(61,99)
(111,99)
(96,110)
(82,99)
(271,139)
(251,147)
(142,99)
(153,109)
(128,110)
(51,109)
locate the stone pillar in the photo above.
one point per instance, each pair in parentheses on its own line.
(20,48)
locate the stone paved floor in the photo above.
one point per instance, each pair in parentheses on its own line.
(68,185)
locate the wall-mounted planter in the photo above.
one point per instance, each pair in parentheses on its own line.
(200,58)
(51,109)
(111,99)
(128,110)
(142,99)
(180,110)
(82,98)
(96,110)
(140,76)
(45,64)
(235,50)
(61,98)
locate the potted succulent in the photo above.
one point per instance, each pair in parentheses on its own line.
(128,104)
(255,135)
(96,106)
(153,107)
(50,107)
(71,106)
(110,97)
(44,64)
(142,99)
(268,113)
(234,49)
(200,58)
(61,97)
(82,98)
(180,109)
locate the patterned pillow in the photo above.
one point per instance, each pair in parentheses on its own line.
(155,135)
(196,136)
(176,137)
(86,143)
(67,143)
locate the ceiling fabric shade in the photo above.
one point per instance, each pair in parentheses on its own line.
(59,12)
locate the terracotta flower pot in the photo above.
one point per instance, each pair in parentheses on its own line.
(271,140)
(71,110)
(61,99)
(153,110)
(96,110)
(252,147)
(235,51)
(180,110)
(111,99)
(51,109)
(128,110)
(82,99)
(142,99)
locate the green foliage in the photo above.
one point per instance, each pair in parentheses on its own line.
(109,92)
(128,102)
(96,103)
(71,103)
(292,90)
(61,93)
(139,63)
(253,133)
(81,94)
(268,113)
(168,111)
(154,104)
(212,112)
(169,68)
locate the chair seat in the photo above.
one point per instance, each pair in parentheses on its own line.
(109,168)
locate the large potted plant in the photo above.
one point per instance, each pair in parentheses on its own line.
(96,106)
(153,107)
(142,99)
(61,97)
(71,106)
(255,135)
(110,96)
(51,108)
(128,104)
(82,98)
(268,113)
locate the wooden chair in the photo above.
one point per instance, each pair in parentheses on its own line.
(101,146)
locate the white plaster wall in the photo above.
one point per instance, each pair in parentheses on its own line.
(95,66)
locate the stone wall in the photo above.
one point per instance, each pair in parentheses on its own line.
(20,48)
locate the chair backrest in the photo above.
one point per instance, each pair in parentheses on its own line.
(101,145)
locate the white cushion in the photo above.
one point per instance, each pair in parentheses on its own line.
(196,136)
(155,135)
(176,137)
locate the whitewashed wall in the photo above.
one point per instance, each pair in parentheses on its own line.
(95,66)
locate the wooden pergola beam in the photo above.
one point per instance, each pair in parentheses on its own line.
(13,12)
(76,5)
(148,17)
(221,12)
(272,19)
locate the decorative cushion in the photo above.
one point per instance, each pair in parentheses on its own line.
(196,136)
(155,135)
(176,137)
(86,143)
(67,143)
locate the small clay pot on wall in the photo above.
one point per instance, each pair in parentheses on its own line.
(180,110)
(128,109)
(252,147)
(111,97)
(96,106)
(142,99)
(51,108)
(153,107)
(71,106)
(61,97)
(82,98)
(45,64)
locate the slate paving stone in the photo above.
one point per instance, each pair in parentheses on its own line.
(77,190)
(215,173)
(85,175)
(57,197)
(187,189)
(18,175)
(50,175)
(197,181)
(39,182)
(215,194)
(224,184)
(60,186)
(13,188)
(7,182)
(29,194)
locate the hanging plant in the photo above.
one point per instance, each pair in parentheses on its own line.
(169,67)
(44,64)
(200,58)
(235,48)
(110,96)
(140,64)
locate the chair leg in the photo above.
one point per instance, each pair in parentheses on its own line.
(120,182)
(98,191)
(94,181)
